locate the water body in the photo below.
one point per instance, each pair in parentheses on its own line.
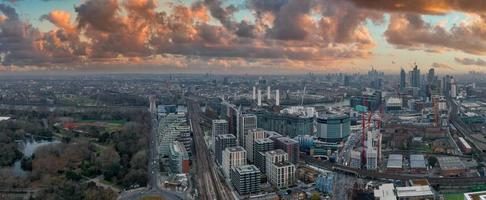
(28,148)
(343,103)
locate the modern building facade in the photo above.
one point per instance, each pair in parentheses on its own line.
(282,174)
(221,143)
(219,127)
(333,127)
(253,135)
(274,156)
(287,124)
(290,146)
(246,179)
(233,157)
(178,158)
(246,122)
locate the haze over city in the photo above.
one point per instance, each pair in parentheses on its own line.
(242,36)
(242,99)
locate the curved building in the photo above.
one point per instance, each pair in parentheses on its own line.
(333,127)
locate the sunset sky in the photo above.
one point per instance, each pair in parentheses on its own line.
(243,36)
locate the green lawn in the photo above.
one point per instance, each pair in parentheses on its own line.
(454,196)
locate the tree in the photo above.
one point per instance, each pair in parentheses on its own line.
(108,157)
(315,196)
(432,161)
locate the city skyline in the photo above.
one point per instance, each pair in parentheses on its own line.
(242,36)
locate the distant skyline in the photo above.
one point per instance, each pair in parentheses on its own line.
(242,36)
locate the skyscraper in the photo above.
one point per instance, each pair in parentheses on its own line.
(415,77)
(403,82)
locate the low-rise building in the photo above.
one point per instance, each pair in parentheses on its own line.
(451,166)
(394,163)
(417,163)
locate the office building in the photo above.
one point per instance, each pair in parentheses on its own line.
(403,78)
(415,77)
(219,127)
(233,157)
(178,158)
(333,127)
(221,143)
(246,179)
(369,98)
(253,135)
(232,113)
(286,123)
(393,104)
(246,122)
(290,146)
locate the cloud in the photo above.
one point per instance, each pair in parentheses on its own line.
(410,31)
(470,61)
(433,7)
(441,66)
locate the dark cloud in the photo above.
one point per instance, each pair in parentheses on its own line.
(471,61)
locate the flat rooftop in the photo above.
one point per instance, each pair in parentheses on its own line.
(395,161)
(276,152)
(450,163)
(481,195)
(414,191)
(245,169)
(235,149)
(263,140)
(417,161)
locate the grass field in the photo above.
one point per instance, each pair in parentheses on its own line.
(454,196)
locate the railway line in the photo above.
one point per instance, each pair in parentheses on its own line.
(208,182)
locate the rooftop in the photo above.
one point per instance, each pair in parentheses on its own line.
(235,149)
(414,191)
(263,140)
(276,152)
(395,161)
(283,164)
(245,169)
(481,195)
(450,163)
(385,192)
(417,161)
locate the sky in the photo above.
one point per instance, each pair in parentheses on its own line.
(242,36)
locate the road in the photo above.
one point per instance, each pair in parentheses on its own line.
(153,188)
(209,184)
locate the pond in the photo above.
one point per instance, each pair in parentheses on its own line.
(28,148)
